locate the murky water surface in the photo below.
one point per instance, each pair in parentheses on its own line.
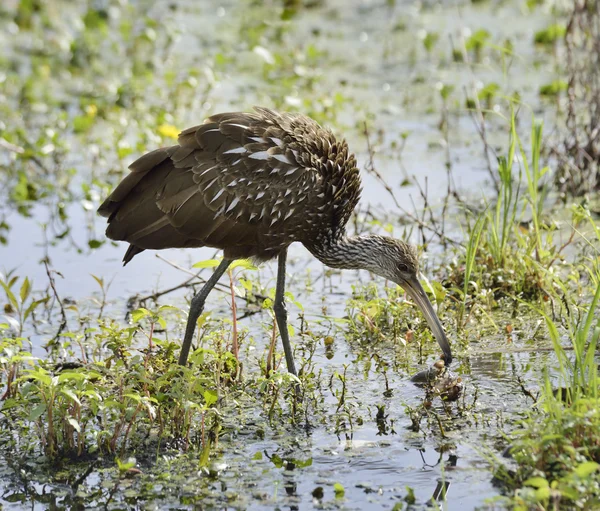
(381,70)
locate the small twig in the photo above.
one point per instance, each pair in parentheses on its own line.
(525,391)
(370,167)
(271,353)
(190,282)
(63,322)
(425,225)
(158,294)
(84,476)
(19,150)
(563,246)
(11,147)
(440,425)
(234,333)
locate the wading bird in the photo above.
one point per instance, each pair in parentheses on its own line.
(251,184)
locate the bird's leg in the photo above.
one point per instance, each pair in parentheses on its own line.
(281,313)
(196,307)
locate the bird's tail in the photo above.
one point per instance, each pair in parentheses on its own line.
(132,251)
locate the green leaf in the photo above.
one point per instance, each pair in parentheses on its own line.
(39,375)
(125,466)
(37,411)
(537,482)
(542,493)
(246,284)
(303,463)
(82,123)
(168,308)
(71,395)
(11,297)
(25,290)
(204,456)
(210,263)
(569,493)
(257,456)
(586,468)
(204,317)
(138,314)
(75,424)
(210,397)
(339,490)
(70,375)
(32,306)
(243,263)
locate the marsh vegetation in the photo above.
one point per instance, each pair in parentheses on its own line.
(476,129)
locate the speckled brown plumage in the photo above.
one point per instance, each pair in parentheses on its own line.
(248,183)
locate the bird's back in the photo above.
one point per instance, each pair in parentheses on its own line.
(247,183)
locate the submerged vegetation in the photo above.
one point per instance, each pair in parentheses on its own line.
(92,402)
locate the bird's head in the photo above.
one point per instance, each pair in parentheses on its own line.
(397,261)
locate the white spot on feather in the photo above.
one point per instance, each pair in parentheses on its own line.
(210,184)
(219,212)
(232,205)
(260,195)
(236,150)
(277,141)
(260,155)
(288,214)
(219,193)
(208,170)
(282,158)
(242,126)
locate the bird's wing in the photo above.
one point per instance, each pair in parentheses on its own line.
(230,181)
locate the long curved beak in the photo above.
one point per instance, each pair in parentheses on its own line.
(417,293)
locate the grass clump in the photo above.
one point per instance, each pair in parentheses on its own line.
(509,245)
(122,397)
(557,447)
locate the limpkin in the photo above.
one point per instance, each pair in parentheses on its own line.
(251,184)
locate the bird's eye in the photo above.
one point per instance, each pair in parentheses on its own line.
(403,267)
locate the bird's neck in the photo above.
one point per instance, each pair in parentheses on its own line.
(345,252)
